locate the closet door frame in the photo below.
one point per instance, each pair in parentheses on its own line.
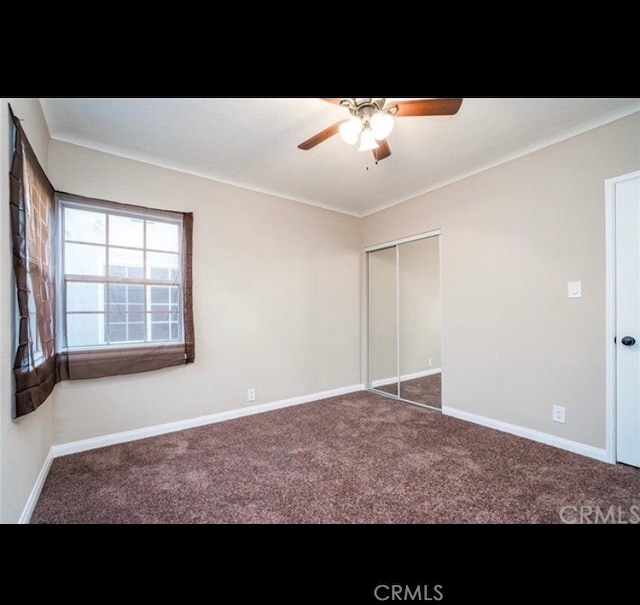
(393,244)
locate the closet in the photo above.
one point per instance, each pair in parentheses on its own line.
(404,319)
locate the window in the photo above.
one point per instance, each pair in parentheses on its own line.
(121,282)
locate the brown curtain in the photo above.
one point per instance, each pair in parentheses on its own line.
(38,364)
(32,201)
(187,294)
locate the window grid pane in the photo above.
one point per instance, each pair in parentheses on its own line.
(101,313)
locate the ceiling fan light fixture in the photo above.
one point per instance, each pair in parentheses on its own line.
(350,130)
(367,140)
(372,120)
(381,124)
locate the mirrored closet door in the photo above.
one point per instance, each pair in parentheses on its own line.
(405,320)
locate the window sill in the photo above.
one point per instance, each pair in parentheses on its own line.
(122,349)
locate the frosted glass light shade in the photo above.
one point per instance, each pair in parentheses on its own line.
(367,140)
(350,130)
(382,124)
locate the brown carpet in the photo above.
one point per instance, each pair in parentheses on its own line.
(358,458)
(427,390)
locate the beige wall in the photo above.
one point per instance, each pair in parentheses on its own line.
(513,344)
(276,299)
(24,443)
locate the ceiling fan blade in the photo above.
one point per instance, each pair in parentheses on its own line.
(428,107)
(320,137)
(382,151)
(334,101)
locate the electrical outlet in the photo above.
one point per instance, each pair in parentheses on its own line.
(429,361)
(558,414)
(574,289)
(251,395)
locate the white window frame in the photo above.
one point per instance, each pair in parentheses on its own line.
(65,201)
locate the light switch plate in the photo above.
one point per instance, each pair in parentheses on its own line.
(574,289)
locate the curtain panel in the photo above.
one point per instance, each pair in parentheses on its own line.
(32,203)
(43,356)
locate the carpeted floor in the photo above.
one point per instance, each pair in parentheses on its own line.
(427,389)
(358,458)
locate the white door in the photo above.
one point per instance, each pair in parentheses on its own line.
(627,213)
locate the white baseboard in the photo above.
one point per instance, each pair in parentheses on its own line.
(25,517)
(559,442)
(383,382)
(75,447)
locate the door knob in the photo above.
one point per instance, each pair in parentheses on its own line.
(628,341)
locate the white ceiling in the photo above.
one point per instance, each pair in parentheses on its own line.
(252,142)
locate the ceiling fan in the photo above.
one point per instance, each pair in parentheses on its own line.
(371,121)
